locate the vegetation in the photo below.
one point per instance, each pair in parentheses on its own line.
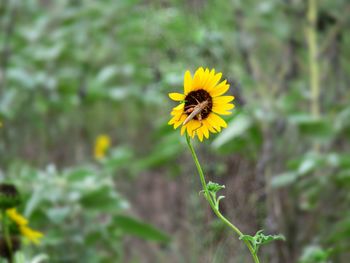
(73,72)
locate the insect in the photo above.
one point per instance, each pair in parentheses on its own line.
(195,111)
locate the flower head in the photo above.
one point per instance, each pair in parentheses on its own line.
(201,104)
(22,224)
(102,144)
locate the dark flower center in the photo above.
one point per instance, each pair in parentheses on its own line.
(194,98)
(8,190)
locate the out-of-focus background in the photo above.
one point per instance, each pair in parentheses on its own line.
(71,71)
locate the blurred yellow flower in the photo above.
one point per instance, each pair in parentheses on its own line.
(16,217)
(22,223)
(102,144)
(30,234)
(201,104)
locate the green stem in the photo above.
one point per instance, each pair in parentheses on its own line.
(212,202)
(313,57)
(6,232)
(313,62)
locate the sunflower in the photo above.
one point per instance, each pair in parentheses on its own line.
(201,104)
(102,144)
(22,223)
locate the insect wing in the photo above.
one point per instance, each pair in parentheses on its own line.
(196,110)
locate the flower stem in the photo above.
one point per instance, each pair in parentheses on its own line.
(6,235)
(311,35)
(212,203)
(313,57)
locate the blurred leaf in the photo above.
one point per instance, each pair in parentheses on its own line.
(165,150)
(102,199)
(342,120)
(315,254)
(284,179)
(140,229)
(309,125)
(119,157)
(237,127)
(79,174)
(106,74)
(307,165)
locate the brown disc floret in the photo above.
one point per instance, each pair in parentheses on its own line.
(194,98)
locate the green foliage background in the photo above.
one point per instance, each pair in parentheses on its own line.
(71,70)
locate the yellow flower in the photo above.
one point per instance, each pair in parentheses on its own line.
(16,217)
(22,223)
(102,144)
(201,104)
(32,235)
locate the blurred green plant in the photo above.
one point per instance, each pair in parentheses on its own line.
(13,225)
(71,69)
(79,208)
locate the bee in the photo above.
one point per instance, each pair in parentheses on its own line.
(195,111)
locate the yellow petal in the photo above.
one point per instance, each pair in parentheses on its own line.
(200,134)
(176,112)
(205,78)
(187,82)
(223,99)
(176,96)
(192,126)
(216,120)
(192,134)
(179,107)
(32,235)
(197,78)
(180,121)
(177,124)
(205,131)
(209,126)
(183,129)
(214,80)
(222,112)
(223,108)
(172,121)
(16,217)
(219,89)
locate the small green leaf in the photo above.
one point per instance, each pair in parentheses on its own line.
(247,238)
(260,239)
(214,187)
